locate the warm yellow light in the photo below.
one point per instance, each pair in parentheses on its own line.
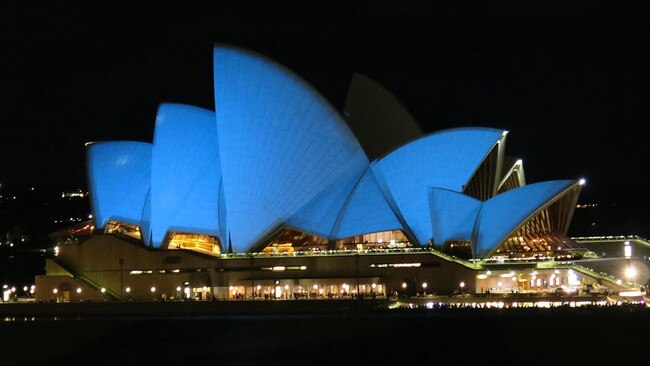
(128,289)
(55,291)
(153,289)
(404,285)
(103,290)
(462,284)
(315,286)
(630,293)
(424,285)
(78,290)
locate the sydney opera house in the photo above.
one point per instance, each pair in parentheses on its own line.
(276,194)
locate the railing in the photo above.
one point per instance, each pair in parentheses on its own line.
(88,282)
(608,238)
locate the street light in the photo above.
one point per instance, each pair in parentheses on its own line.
(630,273)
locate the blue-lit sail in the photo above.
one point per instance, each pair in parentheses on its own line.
(185,172)
(281,144)
(119,177)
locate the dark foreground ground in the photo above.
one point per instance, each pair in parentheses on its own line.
(338,336)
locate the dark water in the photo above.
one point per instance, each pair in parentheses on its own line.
(585,336)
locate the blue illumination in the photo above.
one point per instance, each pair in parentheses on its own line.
(445,159)
(185,172)
(502,214)
(319,216)
(119,176)
(281,144)
(453,215)
(366,211)
(276,154)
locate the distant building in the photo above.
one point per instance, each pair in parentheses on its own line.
(277,195)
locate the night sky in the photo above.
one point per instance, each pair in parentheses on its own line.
(570,82)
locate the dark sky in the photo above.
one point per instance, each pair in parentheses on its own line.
(570,82)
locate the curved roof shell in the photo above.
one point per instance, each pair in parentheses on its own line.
(185,173)
(379,120)
(119,177)
(501,215)
(453,215)
(446,159)
(281,144)
(366,210)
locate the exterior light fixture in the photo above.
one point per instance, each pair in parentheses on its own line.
(630,272)
(627,249)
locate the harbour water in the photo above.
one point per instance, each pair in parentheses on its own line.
(587,335)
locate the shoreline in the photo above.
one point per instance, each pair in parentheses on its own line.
(172,309)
